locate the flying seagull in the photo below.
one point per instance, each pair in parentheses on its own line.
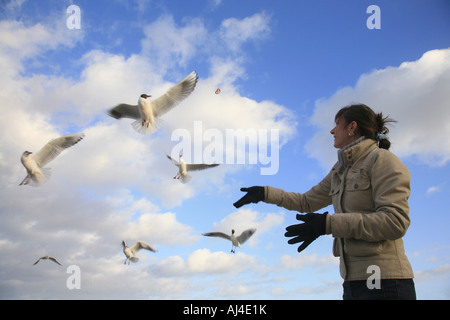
(47,258)
(34,163)
(235,240)
(147,113)
(130,252)
(183,168)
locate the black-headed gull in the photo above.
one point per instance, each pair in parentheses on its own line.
(147,113)
(130,252)
(34,163)
(47,258)
(235,240)
(183,168)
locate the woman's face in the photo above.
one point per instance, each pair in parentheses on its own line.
(341,133)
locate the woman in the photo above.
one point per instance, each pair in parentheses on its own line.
(369,188)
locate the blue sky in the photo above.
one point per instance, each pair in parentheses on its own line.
(287,66)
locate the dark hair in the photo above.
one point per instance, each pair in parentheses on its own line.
(370,124)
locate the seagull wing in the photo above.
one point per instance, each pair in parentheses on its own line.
(125,111)
(218,234)
(195,167)
(54,260)
(142,245)
(37,261)
(175,95)
(54,147)
(175,162)
(245,235)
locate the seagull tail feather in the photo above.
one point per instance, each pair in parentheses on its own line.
(40,178)
(144,129)
(185,178)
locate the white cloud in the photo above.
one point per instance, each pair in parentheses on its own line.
(441,272)
(433,189)
(216,3)
(168,45)
(301,261)
(236,32)
(235,290)
(20,41)
(160,228)
(13,5)
(205,261)
(414,93)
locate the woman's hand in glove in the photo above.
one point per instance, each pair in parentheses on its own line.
(313,227)
(254,195)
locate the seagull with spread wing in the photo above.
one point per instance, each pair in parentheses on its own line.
(147,113)
(235,240)
(47,258)
(130,252)
(183,168)
(34,163)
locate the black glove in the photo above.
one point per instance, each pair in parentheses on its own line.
(254,195)
(314,225)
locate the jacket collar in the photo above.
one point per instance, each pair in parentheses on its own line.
(352,152)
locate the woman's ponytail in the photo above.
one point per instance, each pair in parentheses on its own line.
(382,131)
(370,124)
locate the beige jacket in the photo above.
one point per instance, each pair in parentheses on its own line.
(370,199)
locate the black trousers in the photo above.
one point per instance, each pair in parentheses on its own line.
(390,289)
